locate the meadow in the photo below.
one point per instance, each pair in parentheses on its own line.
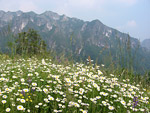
(42,86)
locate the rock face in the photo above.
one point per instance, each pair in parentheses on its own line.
(71,35)
(57,29)
(146,43)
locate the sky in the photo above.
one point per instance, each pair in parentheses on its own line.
(128,16)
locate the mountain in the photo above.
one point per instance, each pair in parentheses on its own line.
(76,38)
(146,43)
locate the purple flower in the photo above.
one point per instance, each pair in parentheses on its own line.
(32,89)
(135,101)
(23,93)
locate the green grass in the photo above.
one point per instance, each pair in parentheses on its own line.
(40,86)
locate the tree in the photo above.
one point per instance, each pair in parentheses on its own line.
(30,42)
(11,42)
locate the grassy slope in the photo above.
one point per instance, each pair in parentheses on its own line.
(40,86)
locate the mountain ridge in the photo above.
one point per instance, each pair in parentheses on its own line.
(70,35)
(51,17)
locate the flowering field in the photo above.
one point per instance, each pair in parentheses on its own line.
(39,86)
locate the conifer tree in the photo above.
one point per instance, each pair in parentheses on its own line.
(30,42)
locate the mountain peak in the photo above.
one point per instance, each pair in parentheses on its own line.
(49,13)
(96,21)
(19,12)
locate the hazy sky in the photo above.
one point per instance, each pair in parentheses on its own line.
(129,16)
